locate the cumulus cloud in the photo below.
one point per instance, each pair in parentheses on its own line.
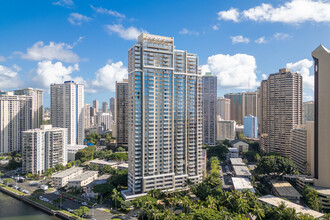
(239,39)
(261,40)
(281,36)
(78,19)
(9,77)
(303,67)
(185,31)
(101,10)
(52,51)
(106,77)
(307,98)
(233,72)
(49,72)
(264,76)
(2,59)
(232,14)
(292,12)
(215,27)
(64,3)
(130,33)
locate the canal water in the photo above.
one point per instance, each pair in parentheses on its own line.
(13,209)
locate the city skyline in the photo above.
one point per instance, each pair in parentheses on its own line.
(88,42)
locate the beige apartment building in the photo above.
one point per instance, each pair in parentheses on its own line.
(301,143)
(321,57)
(223,108)
(61,179)
(236,108)
(281,109)
(83,180)
(121,109)
(226,130)
(249,104)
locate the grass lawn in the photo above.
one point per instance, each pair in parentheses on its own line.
(12,190)
(51,189)
(71,214)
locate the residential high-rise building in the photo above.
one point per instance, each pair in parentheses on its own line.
(104,120)
(18,113)
(113,107)
(226,130)
(308,111)
(122,107)
(283,109)
(249,104)
(165,116)
(43,148)
(223,108)
(209,109)
(262,108)
(251,126)
(301,150)
(87,116)
(37,104)
(67,109)
(105,107)
(96,105)
(321,57)
(235,106)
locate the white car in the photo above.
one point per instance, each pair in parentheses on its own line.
(84,203)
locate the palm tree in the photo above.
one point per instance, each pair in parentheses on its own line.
(258,211)
(115,195)
(211,202)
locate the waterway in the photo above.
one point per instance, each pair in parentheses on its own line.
(13,209)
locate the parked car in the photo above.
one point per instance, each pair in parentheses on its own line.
(84,203)
(57,193)
(71,198)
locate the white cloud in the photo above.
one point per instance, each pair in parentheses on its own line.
(233,72)
(64,3)
(2,59)
(53,51)
(215,27)
(261,40)
(107,76)
(303,67)
(107,11)
(264,76)
(239,39)
(292,12)
(232,14)
(78,19)
(281,36)
(9,77)
(185,31)
(49,72)
(308,98)
(130,33)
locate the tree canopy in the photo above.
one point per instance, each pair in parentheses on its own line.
(275,166)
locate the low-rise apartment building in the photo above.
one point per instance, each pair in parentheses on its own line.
(61,179)
(83,179)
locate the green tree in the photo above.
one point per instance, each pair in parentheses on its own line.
(275,166)
(106,169)
(119,156)
(83,210)
(94,167)
(310,196)
(125,205)
(8,181)
(115,195)
(38,192)
(59,167)
(85,154)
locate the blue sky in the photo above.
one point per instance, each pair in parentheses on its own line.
(240,41)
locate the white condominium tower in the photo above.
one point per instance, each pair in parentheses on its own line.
(18,113)
(165,116)
(43,148)
(67,109)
